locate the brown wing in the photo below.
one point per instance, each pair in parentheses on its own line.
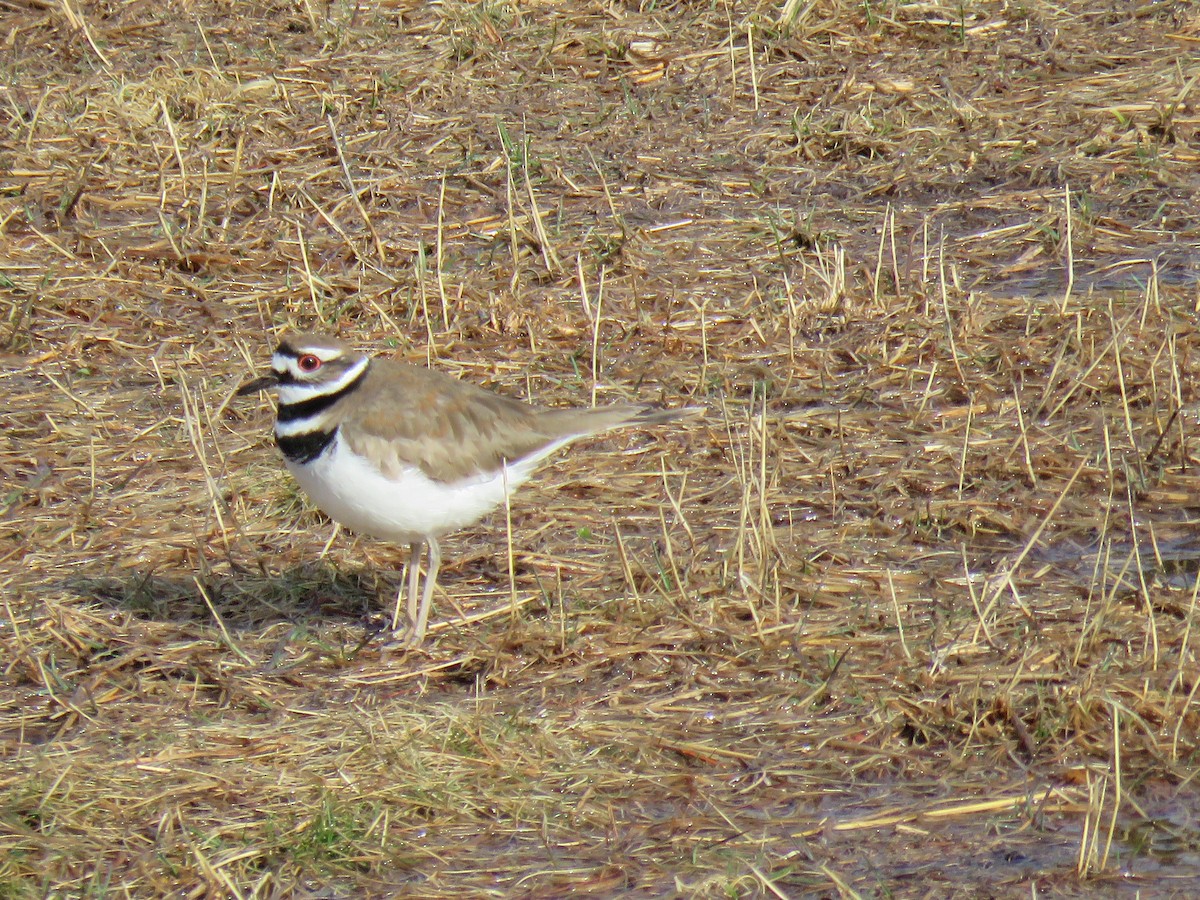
(450,429)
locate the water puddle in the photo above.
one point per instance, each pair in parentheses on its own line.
(1045,838)
(1174,266)
(1172,563)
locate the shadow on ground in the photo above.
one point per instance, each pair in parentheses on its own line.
(307,594)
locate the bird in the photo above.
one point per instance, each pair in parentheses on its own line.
(407,454)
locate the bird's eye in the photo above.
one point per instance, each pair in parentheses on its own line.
(309,362)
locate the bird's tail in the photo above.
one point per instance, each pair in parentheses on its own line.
(606,418)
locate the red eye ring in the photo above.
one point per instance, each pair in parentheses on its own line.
(309,362)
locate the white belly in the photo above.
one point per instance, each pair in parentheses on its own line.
(412,507)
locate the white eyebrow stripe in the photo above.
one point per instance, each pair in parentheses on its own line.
(286,362)
(324,354)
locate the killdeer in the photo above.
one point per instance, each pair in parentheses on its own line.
(407,454)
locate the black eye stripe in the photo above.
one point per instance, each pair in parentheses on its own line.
(303,409)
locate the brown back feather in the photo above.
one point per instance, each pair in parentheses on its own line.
(450,429)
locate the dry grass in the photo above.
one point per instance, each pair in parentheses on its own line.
(909,614)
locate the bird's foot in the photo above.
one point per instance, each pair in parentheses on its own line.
(404,637)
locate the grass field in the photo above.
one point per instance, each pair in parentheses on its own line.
(908,613)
